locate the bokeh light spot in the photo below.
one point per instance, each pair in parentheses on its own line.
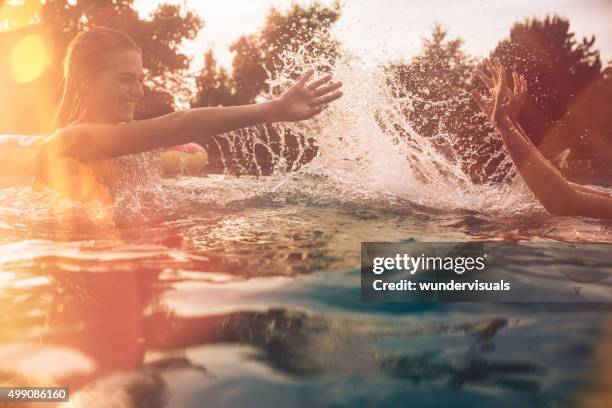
(29,58)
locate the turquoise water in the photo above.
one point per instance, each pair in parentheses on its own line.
(204,294)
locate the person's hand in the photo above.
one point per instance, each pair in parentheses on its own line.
(516,98)
(496,108)
(500,103)
(303,101)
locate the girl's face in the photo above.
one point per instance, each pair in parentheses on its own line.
(112,94)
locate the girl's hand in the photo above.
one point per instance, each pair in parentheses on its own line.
(516,98)
(304,101)
(500,103)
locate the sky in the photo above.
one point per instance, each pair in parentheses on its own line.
(381,29)
(224,22)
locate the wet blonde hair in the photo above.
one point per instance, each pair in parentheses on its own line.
(85,57)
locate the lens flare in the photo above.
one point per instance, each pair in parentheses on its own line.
(29,58)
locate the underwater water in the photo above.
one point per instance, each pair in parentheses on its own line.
(245,291)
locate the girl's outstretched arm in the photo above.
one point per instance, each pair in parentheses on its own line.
(519,95)
(549,186)
(91,141)
(556,194)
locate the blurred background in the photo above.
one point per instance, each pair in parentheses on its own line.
(220,53)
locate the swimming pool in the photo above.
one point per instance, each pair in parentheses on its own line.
(246,291)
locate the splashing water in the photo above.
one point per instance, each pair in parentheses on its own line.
(367,153)
(368,149)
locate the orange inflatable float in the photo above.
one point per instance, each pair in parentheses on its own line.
(188,159)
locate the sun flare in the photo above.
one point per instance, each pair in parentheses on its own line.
(29,58)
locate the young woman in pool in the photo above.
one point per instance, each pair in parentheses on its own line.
(555,193)
(103,75)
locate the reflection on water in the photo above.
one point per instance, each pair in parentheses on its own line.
(250,302)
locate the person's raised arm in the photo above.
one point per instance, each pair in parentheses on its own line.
(90,141)
(549,186)
(519,95)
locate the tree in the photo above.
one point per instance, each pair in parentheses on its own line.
(437,84)
(256,55)
(304,30)
(214,85)
(435,79)
(160,37)
(556,66)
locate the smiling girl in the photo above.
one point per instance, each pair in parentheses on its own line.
(103,82)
